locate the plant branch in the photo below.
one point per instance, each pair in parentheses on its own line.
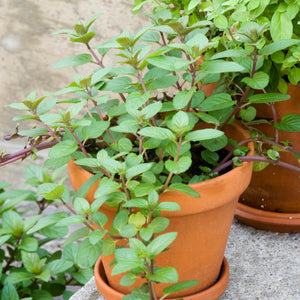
(25,152)
(100,63)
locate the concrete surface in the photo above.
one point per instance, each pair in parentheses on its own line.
(263,266)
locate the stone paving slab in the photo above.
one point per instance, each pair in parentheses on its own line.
(263,266)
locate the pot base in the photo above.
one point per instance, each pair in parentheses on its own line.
(211,293)
(267,220)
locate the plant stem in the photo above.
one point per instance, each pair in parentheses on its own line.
(175,160)
(11,258)
(101,117)
(100,63)
(25,152)
(50,131)
(274,121)
(244,95)
(79,143)
(268,160)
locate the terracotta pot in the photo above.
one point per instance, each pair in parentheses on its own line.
(203,225)
(275,190)
(212,293)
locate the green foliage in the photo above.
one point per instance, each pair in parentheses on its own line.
(28,268)
(142,127)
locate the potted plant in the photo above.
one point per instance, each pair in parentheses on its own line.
(159,153)
(273,27)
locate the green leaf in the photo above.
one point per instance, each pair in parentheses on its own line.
(220,66)
(83,275)
(159,224)
(146,233)
(70,252)
(289,122)
(182,98)
(138,247)
(278,46)
(259,80)
(167,275)
(203,134)
(50,191)
(259,166)
(137,170)
(88,254)
(215,144)
(169,206)
(100,218)
(71,220)
(117,85)
(81,205)
(13,222)
(170,63)
(9,292)
(96,236)
(248,114)
(128,230)
(106,186)
(281,27)
(217,102)
(55,163)
(267,98)
(181,166)
(160,243)
(221,22)
(157,133)
(29,244)
(126,261)
(73,61)
(34,132)
(16,277)
(274,155)
(100,74)
(120,219)
(59,266)
(95,129)
(193,4)
(47,221)
(124,145)
(108,246)
(230,53)
(128,279)
(63,148)
(32,262)
(163,82)
(180,286)
(46,105)
(180,187)
(4,238)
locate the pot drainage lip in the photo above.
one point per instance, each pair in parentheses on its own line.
(268,220)
(211,293)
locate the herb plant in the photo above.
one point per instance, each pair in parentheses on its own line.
(140,125)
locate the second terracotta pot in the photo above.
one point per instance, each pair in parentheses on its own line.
(273,196)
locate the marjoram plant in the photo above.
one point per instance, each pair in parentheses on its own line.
(134,125)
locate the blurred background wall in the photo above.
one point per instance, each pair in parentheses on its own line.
(28,50)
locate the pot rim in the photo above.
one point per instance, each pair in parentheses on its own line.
(211,293)
(268,220)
